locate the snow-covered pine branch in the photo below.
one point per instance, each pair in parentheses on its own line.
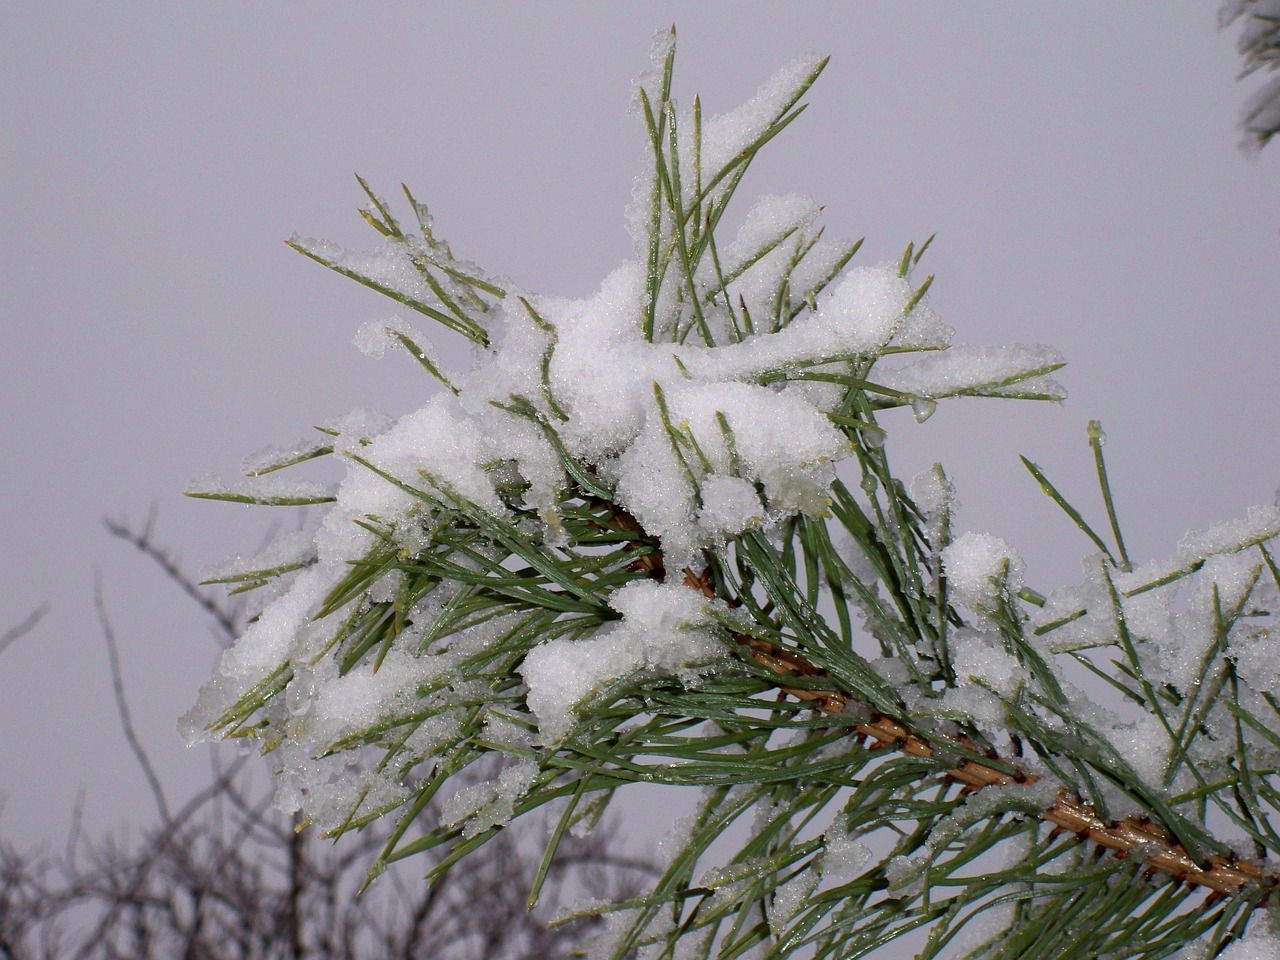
(654,536)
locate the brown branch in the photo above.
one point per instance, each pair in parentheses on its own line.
(1132,836)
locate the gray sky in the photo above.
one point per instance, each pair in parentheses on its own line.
(1077,161)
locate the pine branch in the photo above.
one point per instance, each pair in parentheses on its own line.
(493,594)
(1132,836)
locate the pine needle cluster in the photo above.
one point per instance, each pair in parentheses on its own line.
(618,551)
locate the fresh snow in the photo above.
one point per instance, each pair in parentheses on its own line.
(701,442)
(664,630)
(981,569)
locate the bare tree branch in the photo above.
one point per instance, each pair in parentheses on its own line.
(25,627)
(122,703)
(225,618)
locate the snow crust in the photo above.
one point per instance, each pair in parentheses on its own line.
(844,857)
(664,629)
(1007,371)
(1255,945)
(1258,943)
(981,569)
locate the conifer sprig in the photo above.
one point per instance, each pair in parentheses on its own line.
(617,551)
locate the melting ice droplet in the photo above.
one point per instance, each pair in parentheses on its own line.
(922,408)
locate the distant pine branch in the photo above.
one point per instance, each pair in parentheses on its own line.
(1259,46)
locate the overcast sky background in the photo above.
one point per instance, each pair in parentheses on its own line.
(1078,163)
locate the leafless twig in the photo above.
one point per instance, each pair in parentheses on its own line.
(25,627)
(142,540)
(122,703)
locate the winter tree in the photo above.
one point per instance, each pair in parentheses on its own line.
(655,537)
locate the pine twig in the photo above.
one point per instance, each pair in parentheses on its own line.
(1132,836)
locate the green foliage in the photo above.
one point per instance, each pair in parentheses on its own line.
(862,773)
